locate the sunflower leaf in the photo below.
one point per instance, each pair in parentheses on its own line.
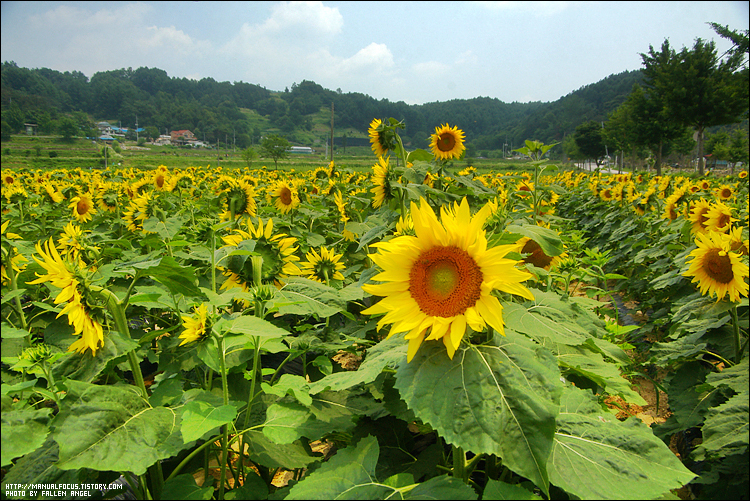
(498,398)
(596,456)
(547,239)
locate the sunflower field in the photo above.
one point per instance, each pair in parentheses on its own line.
(419,331)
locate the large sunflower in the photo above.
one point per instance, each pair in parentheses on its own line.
(240,195)
(322,267)
(83,207)
(378,142)
(447,143)
(716,268)
(719,217)
(441,280)
(698,216)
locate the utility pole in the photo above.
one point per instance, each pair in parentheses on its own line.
(331,131)
(136,128)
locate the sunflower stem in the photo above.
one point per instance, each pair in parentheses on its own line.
(225,435)
(738,348)
(459,463)
(17,299)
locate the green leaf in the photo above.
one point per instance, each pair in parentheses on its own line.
(543,323)
(10,295)
(350,474)
(301,296)
(251,326)
(389,352)
(372,234)
(442,487)
(184,487)
(735,377)
(596,456)
(177,278)
(547,239)
(726,427)
(166,229)
(201,418)
(85,366)
(419,155)
(40,467)
(497,490)
(96,420)
(498,398)
(297,386)
(9,332)
(287,421)
(264,451)
(23,431)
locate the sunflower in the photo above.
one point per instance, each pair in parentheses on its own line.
(196,327)
(241,196)
(441,280)
(607,194)
(53,195)
(736,244)
(83,207)
(536,255)
(338,199)
(161,180)
(15,193)
(742,174)
(277,251)
(378,141)
(66,275)
(107,196)
(724,192)
(381,179)
(322,267)
(284,196)
(716,268)
(698,216)
(137,211)
(719,217)
(10,255)
(447,143)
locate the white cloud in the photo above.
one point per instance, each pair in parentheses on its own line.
(431,69)
(537,8)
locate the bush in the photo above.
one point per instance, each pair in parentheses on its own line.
(52,154)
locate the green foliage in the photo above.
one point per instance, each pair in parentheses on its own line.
(275,147)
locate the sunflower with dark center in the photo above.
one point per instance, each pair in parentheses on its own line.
(83,207)
(719,218)
(439,282)
(724,192)
(447,143)
(717,269)
(284,196)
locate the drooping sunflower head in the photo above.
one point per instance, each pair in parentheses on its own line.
(440,281)
(83,207)
(74,243)
(338,199)
(108,196)
(197,326)
(322,267)
(381,179)
(716,268)
(536,256)
(53,195)
(447,143)
(378,141)
(139,209)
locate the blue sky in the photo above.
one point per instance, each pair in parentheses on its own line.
(415,52)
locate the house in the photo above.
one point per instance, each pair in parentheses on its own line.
(163,140)
(104,128)
(30,129)
(301,149)
(182,137)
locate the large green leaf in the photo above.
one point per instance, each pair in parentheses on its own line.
(112,428)
(350,474)
(442,487)
(85,366)
(498,398)
(595,456)
(301,296)
(23,431)
(726,427)
(736,377)
(166,229)
(547,239)
(200,418)
(177,278)
(40,467)
(184,487)
(264,451)
(497,490)
(287,421)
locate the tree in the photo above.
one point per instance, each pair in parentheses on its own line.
(68,128)
(152,132)
(696,88)
(276,147)
(249,154)
(590,141)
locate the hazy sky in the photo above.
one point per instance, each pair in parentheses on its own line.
(415,52)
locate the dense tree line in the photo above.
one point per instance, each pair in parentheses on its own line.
(211,109)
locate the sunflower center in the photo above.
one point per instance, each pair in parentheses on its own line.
(160,181)
(726,193)
(538,258)
(724,220)
(82,206)
(445,281)
(285,195)
(446,141)
(718,267)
